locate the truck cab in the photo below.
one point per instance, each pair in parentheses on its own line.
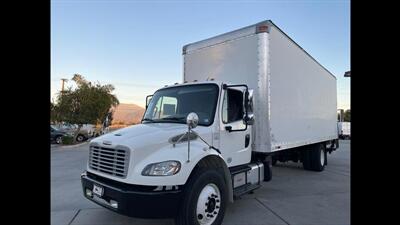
(158,158)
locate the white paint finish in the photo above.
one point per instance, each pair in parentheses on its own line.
(294,96)
(302,95)
(229,62)
(148,144)
(232,144)
(232,62)
(294,105)
(220,39)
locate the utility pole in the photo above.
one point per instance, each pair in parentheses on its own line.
(62,84)
(341,112)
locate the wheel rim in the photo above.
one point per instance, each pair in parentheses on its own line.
(79,138)
(208,204)
(58,140)
(322,157)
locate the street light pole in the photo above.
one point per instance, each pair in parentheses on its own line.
(62,84)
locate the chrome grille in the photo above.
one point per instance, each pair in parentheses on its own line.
(109,160)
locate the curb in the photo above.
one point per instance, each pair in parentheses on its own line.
(74,146)
(71,146)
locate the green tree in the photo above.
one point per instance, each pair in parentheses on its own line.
(54,113)
(346,116)
(86,104)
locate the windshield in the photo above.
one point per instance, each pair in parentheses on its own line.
(174,104)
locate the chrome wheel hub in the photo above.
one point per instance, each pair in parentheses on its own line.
(208,204)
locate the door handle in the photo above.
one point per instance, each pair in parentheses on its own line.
(228,128)
(247,140)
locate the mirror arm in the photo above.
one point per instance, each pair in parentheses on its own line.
(147,98)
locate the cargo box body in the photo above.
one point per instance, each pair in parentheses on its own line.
(294,96)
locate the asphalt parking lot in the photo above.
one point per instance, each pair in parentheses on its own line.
(293,196)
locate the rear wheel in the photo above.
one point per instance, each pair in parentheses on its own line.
(314,157)
(205,199)
(268,170)
(274,160)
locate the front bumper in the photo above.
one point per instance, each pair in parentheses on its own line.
(133,200)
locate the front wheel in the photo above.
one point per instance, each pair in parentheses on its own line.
(205,199)
(59,140)
(80,138)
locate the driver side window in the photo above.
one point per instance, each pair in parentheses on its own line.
(166,106)
(232,106)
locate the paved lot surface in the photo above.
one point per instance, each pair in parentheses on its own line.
(294,196)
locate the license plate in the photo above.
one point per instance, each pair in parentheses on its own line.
(98,190)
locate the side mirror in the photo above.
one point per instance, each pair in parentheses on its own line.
(249,100)
(192,120)
(249,120)
(148,99)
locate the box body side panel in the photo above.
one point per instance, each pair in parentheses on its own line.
(302,96)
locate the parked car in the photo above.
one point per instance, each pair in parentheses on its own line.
(85,132)
(56,135)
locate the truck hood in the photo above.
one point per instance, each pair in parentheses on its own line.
(146,135)
(150,143)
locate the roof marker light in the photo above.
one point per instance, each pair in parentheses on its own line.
(262,29)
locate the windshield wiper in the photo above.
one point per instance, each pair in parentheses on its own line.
(148,120)
(175,118)
(166,119)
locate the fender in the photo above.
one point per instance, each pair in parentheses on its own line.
(215,161)
(200,155)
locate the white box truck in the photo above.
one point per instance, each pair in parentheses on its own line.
(344,130)
(247,97)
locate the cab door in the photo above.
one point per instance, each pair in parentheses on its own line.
(235,139)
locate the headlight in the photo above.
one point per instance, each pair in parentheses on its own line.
(166,168)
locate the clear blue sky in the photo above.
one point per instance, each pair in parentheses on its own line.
(137,45)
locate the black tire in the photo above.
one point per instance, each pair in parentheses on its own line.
(200,179)
(80,138)
(274,161)
(268,170)
(58,140)
(312,159)
(306,157)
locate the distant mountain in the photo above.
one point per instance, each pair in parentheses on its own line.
(128,114)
